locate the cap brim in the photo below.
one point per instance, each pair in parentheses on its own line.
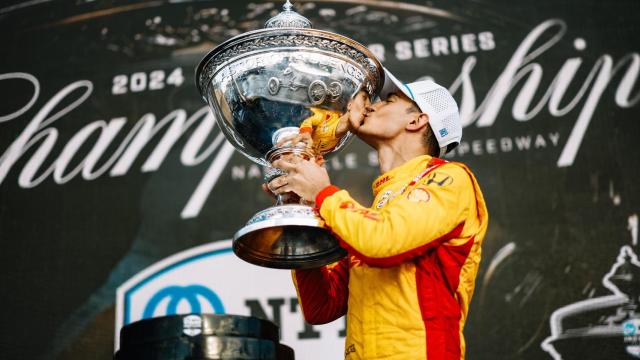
(392,86)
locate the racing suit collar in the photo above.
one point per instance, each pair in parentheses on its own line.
(401,173)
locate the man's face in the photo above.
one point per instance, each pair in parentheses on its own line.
(387,119)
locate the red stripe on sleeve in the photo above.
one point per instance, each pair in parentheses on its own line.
(325,193)
(323,292)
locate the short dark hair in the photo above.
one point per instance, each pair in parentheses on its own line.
(429,138)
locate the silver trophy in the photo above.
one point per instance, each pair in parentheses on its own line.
(264,86)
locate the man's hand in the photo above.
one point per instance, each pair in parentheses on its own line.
(304,177)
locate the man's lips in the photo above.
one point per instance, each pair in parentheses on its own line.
(364,118)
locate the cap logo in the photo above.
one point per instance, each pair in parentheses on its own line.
(443,132)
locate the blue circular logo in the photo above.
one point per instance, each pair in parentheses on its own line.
(176,294)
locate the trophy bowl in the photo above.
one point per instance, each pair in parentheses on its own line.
(271,85)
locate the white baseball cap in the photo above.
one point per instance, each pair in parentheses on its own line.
(435,101)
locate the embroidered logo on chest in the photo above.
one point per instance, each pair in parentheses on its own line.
(381,181)
(419,194)
(439,179)
(384,199)
(388,196)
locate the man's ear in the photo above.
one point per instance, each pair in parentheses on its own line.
(418,123)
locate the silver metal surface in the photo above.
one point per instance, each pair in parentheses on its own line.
(262,81)
(286,237)
(306,215)
(263,86)
(288,18)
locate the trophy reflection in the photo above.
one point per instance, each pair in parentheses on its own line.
(284,91)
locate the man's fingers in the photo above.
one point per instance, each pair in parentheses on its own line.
(284,184)
(267,190)
(283,189)
(285,164)
(278,183)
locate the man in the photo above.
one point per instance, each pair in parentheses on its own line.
(413,256)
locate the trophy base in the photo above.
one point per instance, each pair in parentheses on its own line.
(287,237)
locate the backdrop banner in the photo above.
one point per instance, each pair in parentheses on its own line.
(114,174)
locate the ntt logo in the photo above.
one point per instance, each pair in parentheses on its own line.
(192,294)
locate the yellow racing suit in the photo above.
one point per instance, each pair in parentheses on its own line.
(413,258)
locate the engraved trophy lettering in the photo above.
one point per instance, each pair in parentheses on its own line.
(268,86)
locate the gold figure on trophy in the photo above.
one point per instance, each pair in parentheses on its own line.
(324,129)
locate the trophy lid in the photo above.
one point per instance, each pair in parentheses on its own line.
(288,19)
